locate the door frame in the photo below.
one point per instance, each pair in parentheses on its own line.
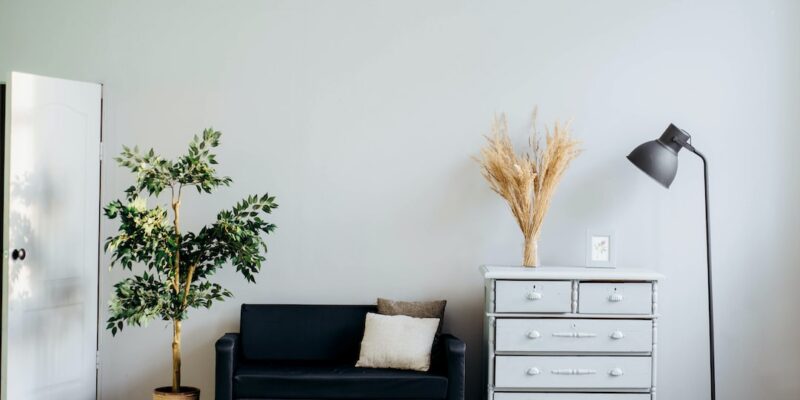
(99,242)
(4,127)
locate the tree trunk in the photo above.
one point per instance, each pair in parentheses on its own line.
(176,356)
(531,253)
(176,324)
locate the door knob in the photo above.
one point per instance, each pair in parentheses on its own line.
(18,254)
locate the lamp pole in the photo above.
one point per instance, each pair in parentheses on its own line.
(708,266)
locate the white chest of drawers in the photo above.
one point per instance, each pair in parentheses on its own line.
(559,333)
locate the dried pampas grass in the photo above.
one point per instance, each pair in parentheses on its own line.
(527,181)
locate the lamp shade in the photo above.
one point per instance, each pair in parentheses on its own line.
(659,158)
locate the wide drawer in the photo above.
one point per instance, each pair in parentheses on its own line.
(615,298)
(572,372)
(533,296)
(574,335)
(571,396)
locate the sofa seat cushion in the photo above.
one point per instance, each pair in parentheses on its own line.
(309,381)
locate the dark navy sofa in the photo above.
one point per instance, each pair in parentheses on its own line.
(310,351)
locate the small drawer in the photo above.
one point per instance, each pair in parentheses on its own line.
(571,396)
(533,296)
(568,372)
(615,298)
(574,335)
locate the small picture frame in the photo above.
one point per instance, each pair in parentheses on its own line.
(601,248)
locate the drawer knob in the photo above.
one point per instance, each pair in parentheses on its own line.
(534,296)
(616,372)
(534,335)
(615,298)
(616,335)
(533,371)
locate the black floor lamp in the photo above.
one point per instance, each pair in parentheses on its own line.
(659,160)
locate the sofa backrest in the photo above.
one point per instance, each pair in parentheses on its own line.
(302,332)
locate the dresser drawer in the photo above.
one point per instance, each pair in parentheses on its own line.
(574,335)
(615,298)
(533,296)
(568,372)
(571,396)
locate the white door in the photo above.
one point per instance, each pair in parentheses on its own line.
(53,183)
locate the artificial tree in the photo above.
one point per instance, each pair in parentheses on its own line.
(176,267)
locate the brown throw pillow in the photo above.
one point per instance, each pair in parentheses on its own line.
(416,309)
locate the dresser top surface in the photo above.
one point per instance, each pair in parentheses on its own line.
(579,273)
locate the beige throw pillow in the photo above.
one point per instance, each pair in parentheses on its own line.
(397,341)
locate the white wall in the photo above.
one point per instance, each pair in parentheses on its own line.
(361,117)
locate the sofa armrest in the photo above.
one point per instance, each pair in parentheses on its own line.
(227,348)
(454,351)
